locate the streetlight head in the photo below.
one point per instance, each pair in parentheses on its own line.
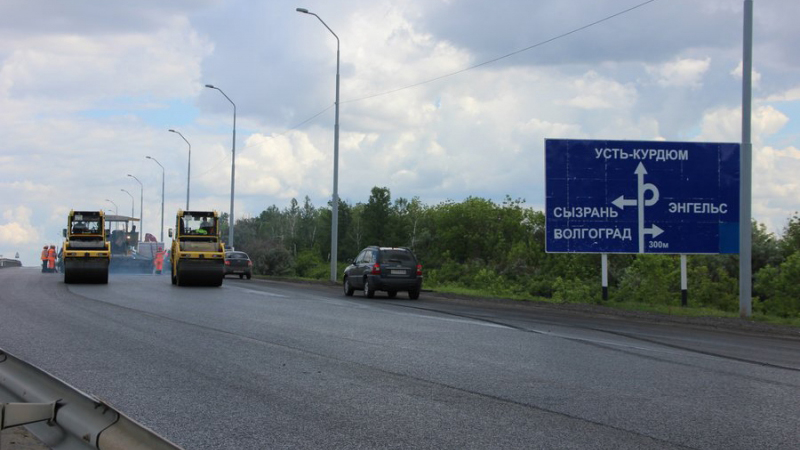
(148,157)
(172,131)
(130,175)
(302,10)
(210,86)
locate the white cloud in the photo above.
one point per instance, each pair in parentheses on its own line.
(725,124)
(281,166)
(593,91)
(680,73)
(71,72)
(776,187)
(544,128)
(790,95)
(17,229)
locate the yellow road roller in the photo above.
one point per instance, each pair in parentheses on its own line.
(86,251)
(198,254)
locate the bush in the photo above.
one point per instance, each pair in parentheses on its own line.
(274,261)
(307,264)
(652,279)
(780,288)
(712,287)
(577,290)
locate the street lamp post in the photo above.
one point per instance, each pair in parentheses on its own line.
(116,210)
(335,211)
(131,196)
(233,165)
(162,196)
(188,169)
(141,207)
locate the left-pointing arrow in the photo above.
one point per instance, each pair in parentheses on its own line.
(622,202)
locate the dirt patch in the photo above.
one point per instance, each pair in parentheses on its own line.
(18,438)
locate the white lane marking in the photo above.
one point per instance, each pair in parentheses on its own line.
(253,291)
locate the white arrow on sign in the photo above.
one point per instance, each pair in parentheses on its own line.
(641,201)
(654,231)
(621,202)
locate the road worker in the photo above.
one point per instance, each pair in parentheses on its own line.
(51,259)
(158,262)
(44,259)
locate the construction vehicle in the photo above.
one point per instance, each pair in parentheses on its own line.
(128,255)
(86,251)
(198,254)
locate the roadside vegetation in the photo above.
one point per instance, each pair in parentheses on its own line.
(482,248)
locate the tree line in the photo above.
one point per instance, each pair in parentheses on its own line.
(499,249)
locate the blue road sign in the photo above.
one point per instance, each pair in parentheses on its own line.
(641,196)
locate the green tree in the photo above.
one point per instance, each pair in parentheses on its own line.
(791,236)
(376,216)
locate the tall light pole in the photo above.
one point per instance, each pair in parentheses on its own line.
(131,196)
(746,169)
(335,211)
(116,210)
(188,169)
(141,207)
(233,165)
(162,195)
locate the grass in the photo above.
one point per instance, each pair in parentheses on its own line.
(672,310)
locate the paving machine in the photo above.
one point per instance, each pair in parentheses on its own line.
(86,252)
(128,255)
(198,254)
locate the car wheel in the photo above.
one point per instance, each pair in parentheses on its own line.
(348,290)
(241,276)
(413,294)
(369,289)
(249,276)
(392,294)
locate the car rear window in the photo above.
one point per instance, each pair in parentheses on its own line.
(403,256)
(236,256)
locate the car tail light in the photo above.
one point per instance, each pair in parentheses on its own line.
(376,269)
(419,270)
(227,263)
(249,263)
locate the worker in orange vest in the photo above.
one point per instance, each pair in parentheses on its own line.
(44,259)
(158,262)
(51,258)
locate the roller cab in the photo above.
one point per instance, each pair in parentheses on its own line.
(198,255)
(86,251)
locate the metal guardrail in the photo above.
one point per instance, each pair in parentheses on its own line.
(64,418)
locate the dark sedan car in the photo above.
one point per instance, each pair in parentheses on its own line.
(384,269)
(238,263)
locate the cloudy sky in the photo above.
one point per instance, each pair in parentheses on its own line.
(89,88)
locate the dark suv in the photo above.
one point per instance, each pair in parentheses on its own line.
(384,269)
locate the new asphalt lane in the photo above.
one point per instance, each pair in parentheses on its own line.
(259,364)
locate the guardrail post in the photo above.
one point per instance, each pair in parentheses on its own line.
(16,414)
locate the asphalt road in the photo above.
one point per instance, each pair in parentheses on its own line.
(261,365)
